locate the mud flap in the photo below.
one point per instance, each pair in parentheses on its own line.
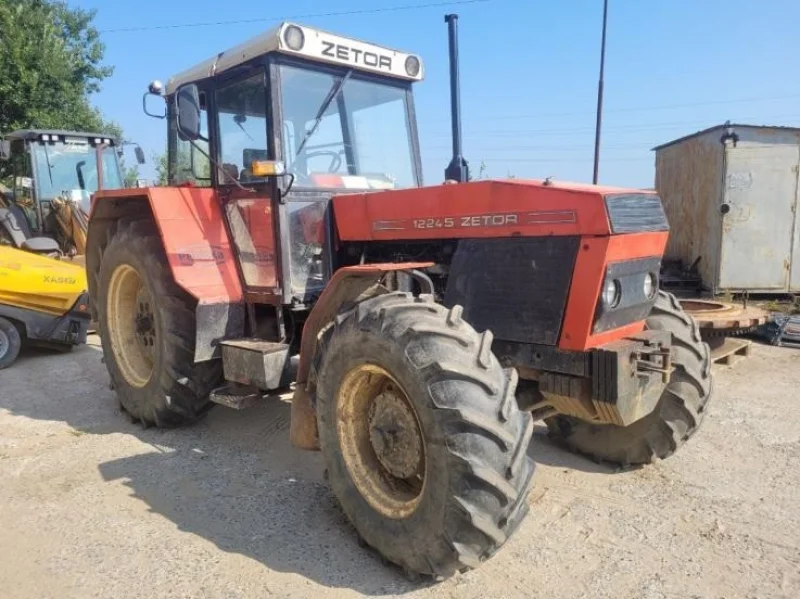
(215,323)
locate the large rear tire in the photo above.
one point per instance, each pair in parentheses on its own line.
(147,327)
(677,416)
(425,446)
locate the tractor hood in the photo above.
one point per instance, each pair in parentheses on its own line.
(492,208)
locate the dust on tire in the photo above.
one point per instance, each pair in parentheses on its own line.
(478,473)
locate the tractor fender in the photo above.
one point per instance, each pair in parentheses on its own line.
(197,247)
(346,285)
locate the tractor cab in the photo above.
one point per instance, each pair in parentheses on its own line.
(278,125)
(48,168)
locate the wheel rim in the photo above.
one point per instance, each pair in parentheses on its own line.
(381,441)
(131,325)
(5,344)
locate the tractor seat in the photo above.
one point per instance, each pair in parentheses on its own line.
(15,221)
(16,225)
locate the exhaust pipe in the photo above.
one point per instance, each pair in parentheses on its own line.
(458,169)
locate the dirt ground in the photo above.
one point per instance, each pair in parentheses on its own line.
(92,505)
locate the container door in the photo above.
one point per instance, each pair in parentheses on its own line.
(758,217)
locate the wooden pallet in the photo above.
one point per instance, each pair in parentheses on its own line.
(729,350)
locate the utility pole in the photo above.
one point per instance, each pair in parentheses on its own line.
(600,95)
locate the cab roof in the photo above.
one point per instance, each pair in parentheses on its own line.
(29,134)
(317,45)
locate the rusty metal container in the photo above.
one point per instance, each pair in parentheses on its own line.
(731,196)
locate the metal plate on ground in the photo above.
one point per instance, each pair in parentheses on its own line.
(722,319)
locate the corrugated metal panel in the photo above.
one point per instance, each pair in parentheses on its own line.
(718,130)
(689,181)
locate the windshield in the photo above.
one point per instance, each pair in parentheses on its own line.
(70,169)
(360,140)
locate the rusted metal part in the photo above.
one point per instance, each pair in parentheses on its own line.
(628,379)
(390,476)
(395,435)
(303,432)
(236,396)
(345,285)
(717,318)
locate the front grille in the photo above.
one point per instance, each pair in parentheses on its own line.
(636,212)
(515,286)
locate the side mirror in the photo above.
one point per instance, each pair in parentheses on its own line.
(158,113)
(139,154)
(188,104)
(156,88)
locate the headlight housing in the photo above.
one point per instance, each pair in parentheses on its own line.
(649,286)
(412,66)
(612,291)
(627,293)
(294,37)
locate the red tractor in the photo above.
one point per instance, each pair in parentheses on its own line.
(425,329)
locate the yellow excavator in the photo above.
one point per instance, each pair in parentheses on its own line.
(43,302)
(52,175)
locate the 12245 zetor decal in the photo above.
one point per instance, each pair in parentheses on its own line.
(477,220)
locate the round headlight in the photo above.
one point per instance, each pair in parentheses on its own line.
(649,285)
(294,38)
(611,293)
(412,66)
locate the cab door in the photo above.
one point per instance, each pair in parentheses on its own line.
(249,202)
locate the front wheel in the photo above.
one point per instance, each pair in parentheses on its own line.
(10,343)
(677,416)
(425,446)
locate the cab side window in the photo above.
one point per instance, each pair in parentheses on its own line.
(241,106)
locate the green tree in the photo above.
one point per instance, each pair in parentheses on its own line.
(51,62)
(130,175)
(160,162)
(192,165)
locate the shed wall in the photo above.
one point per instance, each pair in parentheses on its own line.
(689,178)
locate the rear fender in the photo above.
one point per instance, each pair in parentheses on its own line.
(198,249)
(346,285)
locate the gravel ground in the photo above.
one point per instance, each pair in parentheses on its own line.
(92,505)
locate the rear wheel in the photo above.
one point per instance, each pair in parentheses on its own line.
(147,327)
(10,343)
(422,437)
(677,416)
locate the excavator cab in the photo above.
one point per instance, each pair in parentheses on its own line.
(53,174)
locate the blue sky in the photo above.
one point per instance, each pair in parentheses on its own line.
(528,68)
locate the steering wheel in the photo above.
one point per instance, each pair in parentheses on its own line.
(336,158)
